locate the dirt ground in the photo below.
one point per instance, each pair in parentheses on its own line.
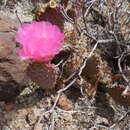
(79,113)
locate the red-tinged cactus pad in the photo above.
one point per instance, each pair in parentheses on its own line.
(116,94)
(50,12)
(43,75)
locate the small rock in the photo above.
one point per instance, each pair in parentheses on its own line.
(38,126)
(31,117)
(67,117)
(101,120)
(64,103)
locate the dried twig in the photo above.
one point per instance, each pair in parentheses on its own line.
(125,92)
(86,28)
(16,12)
(4,3)
(70,112)
(85,14)
(53,122)
(102,126)
(62,10)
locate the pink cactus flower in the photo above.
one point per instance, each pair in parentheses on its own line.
(40,41)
